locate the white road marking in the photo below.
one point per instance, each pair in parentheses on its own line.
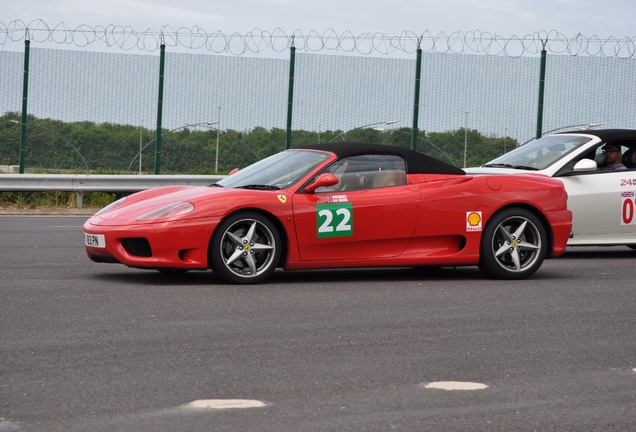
(6,425)
(455,385)
(225,403)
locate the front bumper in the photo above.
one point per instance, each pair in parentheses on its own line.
(175,244)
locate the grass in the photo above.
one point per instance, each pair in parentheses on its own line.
(54,199)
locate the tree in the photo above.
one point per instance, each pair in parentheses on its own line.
(108,147)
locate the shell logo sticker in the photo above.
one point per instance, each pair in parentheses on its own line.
(473,221)
(282,198)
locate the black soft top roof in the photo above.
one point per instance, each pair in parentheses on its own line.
(606,134)
(416,163)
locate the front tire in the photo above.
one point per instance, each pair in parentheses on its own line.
(514,244)
(245,248)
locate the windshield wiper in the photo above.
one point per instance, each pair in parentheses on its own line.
(215,185)
(502,165)
(259,187)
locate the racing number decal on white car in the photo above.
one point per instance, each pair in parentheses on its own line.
(334,220)
(628,202)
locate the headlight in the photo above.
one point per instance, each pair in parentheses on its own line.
(111,206)
(176,209)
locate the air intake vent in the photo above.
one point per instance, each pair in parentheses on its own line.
(137,247)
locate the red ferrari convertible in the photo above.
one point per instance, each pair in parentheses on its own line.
(338,205)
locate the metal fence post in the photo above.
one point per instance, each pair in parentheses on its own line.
(541,92)
(25,98)
(162,63)
(290,96)
(416,101)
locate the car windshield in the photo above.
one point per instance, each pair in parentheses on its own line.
(539,154)
(277,171)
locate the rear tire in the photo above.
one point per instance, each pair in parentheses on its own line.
(514,244)
(245,248)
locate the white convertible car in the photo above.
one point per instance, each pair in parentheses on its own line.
(602,200)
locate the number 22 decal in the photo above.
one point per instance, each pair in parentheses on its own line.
(334,220)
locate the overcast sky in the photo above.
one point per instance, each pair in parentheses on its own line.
(607,18)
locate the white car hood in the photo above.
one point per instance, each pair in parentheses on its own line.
(494,170)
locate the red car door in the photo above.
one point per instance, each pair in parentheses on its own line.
(356,224)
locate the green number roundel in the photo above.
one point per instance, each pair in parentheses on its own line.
(334,220)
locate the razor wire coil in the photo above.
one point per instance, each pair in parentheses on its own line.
(259,41)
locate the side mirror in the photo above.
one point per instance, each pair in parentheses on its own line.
(585,166)
(234,171)
(323,180)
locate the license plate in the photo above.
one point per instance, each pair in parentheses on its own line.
(95,240)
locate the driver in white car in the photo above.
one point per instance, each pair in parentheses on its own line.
(613,155)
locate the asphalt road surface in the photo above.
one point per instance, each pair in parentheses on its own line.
(101,347)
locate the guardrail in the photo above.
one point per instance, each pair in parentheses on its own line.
(81,183)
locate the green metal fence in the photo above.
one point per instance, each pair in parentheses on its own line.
(427,91)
